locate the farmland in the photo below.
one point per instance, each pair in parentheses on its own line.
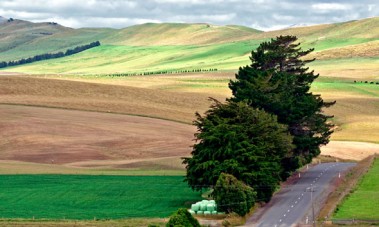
(109,142)
(150,96)
(49,140)
(88,197)
(362,203)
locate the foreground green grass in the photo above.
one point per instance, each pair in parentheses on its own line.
(130,222)
(85,197)
(363,202)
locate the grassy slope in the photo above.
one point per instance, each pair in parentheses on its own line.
(155,47)
(179,34)
(21,39)
(140,59)
(86,197)
(363,202)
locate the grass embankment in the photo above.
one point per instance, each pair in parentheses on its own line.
(362,203)
(85,197)
(344,185)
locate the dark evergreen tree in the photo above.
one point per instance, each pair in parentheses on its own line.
(236,139)
(278,82)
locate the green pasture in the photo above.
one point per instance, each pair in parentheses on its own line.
(85,197)
(111,59)
(363,202)
(108,59)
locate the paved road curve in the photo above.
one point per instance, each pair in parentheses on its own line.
(293,202)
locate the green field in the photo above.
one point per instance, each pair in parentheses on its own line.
(363,203)
(85,197)
(226,56)
(124,59)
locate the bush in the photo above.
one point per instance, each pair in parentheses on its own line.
(232,195)
(182,218)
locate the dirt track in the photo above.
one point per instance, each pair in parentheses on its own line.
(81,138)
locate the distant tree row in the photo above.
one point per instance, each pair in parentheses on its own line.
(47,56)
(161,72)
(366,82)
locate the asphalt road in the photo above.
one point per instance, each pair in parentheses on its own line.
(293,202)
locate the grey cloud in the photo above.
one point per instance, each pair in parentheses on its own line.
(261,14)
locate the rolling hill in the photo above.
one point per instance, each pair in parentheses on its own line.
(151,34)
(22,39)
(174,46)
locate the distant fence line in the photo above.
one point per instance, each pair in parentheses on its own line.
(158,72)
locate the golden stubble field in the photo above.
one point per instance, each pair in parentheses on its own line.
(98,96)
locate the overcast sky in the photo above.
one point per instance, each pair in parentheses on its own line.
(259,14)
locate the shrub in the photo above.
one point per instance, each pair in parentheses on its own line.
(182,218)
(232,195)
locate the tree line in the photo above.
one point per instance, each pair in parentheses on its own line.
(47,56)
(366,82)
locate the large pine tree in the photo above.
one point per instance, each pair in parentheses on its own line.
(279,82)
(242,141)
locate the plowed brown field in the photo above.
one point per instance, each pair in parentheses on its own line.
(91,139)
